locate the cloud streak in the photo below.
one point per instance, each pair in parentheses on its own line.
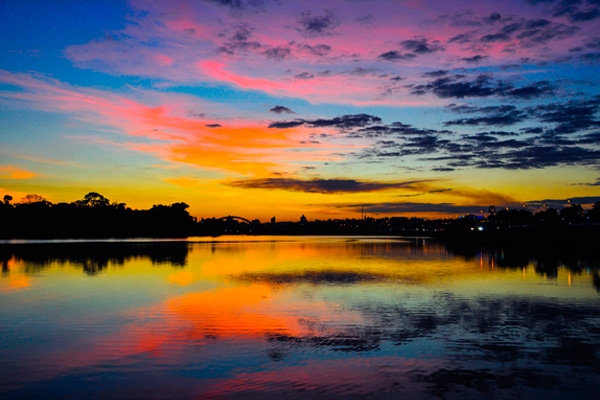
(325,186)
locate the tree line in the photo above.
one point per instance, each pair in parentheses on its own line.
(95,216)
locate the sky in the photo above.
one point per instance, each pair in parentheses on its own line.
(327,109)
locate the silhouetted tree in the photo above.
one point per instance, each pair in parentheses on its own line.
(7,199)
(547,217)
(594,213)
(94,199)
(32,198)
(573,213)
(511,217)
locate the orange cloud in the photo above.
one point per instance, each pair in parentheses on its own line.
(12,172)
(241,147)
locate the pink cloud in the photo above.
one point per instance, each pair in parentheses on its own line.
(240,146)
(207,43)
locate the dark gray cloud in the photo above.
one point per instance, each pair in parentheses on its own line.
(213,125)
(592,43)
(530,32)
(344,122)
(436,74)
(560,203)
(238,5)
(462,38)
(278,53)
(287,124)
(362,71)
(596,183)
(496,37)
(240,41)
(421,45)
(576,10)
(571,116)
(458,86)
(564,137)
(281,110)
(412,48)
(591,57)
(467,18)
(395,129)
(396,56)
(493,115)
(325,186)
(410,207)
(304,75)
(475,59)
(317,25)
(319,50)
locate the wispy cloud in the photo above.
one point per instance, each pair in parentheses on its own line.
(326,186)
(13,172)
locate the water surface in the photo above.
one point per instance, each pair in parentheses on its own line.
(293,317)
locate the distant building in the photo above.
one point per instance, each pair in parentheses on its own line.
(273,220)
(303,219)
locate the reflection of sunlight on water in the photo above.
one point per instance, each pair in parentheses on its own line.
(182,278)
(302,318)
(12,278)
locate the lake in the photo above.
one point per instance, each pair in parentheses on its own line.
(296,317)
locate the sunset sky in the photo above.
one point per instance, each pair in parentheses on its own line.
(263,108)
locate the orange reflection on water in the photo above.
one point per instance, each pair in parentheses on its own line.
(12,279)
(182,278)
(232,311)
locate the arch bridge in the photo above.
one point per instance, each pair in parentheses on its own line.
(230,218)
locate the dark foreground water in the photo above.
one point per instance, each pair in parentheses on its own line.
(296,318)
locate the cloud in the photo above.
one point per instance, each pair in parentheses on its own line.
(420,45)
(532,147)
(165,130)
(597,183)
(240,41)
(461,39)
(281,109)
(494,116)
(278,53)
(237,5)
(470,19)
(319,50)
(457,86)
(530,32)
(304,75)
(413,47)
(577,11)
(324,186)
(12,172)
(213,125)
(344,122)
(475,59)
(396,56)
(317,25)
(571,116)
(560,203)
(391,208)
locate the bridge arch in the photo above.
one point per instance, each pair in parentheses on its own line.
(232,217)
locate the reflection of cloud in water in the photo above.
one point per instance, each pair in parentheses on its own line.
(486,344)
(326,277)
(381,377)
